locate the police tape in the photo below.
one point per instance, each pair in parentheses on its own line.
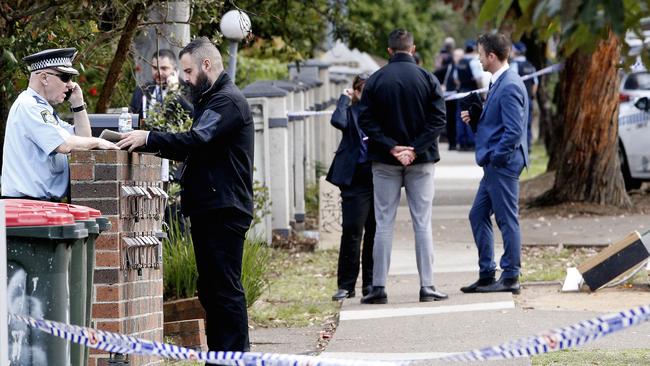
(549,341)
(557,339)
(547,70)
(448,95)
(119,343)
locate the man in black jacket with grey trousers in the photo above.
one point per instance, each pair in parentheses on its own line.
(217,183)
(402,111)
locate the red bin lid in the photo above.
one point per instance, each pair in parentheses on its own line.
(30,217)
(77,211)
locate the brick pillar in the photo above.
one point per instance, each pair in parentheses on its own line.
(127,300)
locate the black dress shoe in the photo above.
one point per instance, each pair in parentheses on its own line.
(502,285)
(341,294)
(366,290)
(481,282)
(376,296)
(429,293)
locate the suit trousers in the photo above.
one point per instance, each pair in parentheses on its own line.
(498,194)
(218,238)
(418,183)
(358,214)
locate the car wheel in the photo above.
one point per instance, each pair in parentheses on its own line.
(630,183)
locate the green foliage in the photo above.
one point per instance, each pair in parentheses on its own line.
(179,263)
(250,69)
(261,202)
(311,199)
(170,116)
(255,265)
(180,274)
(580,24)
(578,357)
(369,22)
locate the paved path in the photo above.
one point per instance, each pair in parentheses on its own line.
(407,329)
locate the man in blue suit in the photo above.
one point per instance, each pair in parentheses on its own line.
(502,151)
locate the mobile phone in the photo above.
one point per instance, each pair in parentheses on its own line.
(68,94)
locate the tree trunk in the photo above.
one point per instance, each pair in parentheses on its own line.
(554,128)
(115,70)
(589,169)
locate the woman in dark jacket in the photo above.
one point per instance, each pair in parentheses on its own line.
(351,172)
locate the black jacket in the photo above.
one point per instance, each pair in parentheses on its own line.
(345,118)
(217,150)
(402,104)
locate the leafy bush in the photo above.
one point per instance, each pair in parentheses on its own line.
(255,266)
(179,264)
(180,274)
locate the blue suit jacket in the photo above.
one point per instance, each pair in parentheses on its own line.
(502,128)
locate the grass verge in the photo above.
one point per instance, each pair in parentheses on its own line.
(300,289)
(594,357)
(549,263)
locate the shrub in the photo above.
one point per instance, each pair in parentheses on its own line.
(179,264)
(180,274)
(255,266)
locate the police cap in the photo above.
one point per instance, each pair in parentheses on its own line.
(57,58)
(519,47)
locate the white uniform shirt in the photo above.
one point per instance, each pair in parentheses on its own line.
(30,165)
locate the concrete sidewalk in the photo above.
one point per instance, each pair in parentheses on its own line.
(407,329)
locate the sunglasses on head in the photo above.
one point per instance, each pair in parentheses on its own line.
(363,76)
(64,77)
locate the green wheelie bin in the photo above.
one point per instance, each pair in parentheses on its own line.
(39,245)
(82,265)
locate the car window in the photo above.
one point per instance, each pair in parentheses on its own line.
(638,81)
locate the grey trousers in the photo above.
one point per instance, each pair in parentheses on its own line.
(418,183)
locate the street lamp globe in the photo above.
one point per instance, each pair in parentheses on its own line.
(235,25)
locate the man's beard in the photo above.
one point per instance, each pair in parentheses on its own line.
(202,85)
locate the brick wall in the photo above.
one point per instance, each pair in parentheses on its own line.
(127,300)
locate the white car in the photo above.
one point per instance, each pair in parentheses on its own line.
(634,129)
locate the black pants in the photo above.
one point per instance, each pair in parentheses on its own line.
(358,213)
(451,122)
(218,238)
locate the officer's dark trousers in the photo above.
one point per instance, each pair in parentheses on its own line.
(358,213)
(218,238)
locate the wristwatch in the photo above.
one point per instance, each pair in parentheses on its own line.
(78,109)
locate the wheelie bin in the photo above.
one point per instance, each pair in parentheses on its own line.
(82,264)
(39,244)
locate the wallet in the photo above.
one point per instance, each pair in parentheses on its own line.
(474,105)
(110,135)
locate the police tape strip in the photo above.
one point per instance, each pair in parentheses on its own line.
(448,96)
(550,341)
(558,339)
(547,70)
(118,343)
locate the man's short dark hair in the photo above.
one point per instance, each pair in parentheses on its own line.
(496,43)
(400,40)
(164,53)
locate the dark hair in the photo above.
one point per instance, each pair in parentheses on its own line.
(195,45)
(496,43)
(201,48)
(164,52)
(357,84)
(400,40)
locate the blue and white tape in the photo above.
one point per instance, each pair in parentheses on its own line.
(558,339)
(550,341)
(118,343)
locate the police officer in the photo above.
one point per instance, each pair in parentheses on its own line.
(523,67)
(469,76)
(35,164)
